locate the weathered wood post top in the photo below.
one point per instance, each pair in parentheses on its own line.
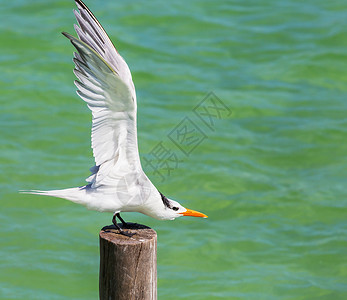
(128,265)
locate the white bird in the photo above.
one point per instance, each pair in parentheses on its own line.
(117,183)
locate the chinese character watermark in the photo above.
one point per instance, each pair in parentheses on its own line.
(161,160)
(186,136)
(211,108)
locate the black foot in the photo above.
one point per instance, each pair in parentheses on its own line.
(124,225)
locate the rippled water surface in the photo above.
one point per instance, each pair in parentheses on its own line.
(269,167)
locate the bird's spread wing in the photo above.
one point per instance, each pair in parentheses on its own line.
(105,84)
(93,34)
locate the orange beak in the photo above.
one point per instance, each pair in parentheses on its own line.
(193,213)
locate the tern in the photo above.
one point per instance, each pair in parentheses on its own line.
(117,183)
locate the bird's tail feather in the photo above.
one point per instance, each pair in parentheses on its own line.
(77,195)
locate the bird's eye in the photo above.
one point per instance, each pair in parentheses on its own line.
(175,208)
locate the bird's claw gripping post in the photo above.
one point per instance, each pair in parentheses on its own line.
(121,231)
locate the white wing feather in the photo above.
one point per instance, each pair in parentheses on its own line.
(105,84)
(93,34)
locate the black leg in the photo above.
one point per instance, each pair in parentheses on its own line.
(121,219)
(121,231)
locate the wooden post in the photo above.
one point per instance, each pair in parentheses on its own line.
(128,265)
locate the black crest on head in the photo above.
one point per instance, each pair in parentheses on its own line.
(167,203)
(165,200)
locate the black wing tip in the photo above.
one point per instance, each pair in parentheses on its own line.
(81,4)
(68,35)
(72,39)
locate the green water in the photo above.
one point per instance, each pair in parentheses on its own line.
(271,175)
